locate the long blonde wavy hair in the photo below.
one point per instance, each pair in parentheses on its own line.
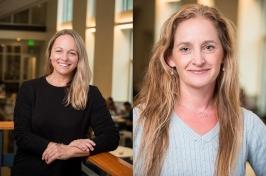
(160,91)
(78,89)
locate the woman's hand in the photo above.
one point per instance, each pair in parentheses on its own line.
(83,144)
(77,148)
(56,151)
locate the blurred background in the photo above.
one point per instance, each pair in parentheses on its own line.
(107,29)
(249,16)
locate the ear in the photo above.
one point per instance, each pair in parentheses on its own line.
(170,62)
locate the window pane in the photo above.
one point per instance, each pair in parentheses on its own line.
(38,14)
(17,49)
(1,65)
(127,5)
(67,10)
(22,17)
(12,67)
(5,20)
(9,49)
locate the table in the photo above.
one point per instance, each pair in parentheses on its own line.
(123,152)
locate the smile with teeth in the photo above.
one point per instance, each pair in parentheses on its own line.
(64,65)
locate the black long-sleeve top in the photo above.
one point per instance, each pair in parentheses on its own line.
(41,117)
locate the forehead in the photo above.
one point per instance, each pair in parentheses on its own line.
(65,41)
(196,29)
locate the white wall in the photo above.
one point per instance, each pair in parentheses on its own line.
(163,10)
(249,46)
(89,42)
(121,65)
(262,97)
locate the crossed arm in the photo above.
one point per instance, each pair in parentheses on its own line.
(106,135)
(77,148)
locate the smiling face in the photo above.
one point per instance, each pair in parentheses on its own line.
(64,56)
(197,53)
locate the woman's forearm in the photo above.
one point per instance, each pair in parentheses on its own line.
(77,152)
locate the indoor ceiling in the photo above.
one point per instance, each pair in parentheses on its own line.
(8,7)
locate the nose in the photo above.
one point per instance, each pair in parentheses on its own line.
(64,56)
(198,57)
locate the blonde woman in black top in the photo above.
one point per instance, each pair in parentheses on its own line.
(53,113)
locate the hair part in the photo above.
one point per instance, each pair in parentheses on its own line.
(78,89)
(160,91)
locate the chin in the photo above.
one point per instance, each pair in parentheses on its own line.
(199,83)
(65,72)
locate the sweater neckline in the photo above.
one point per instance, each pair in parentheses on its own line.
(207,137)
(53,86)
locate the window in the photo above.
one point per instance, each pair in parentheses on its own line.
(22,17)
(91,10)
(5,19)
(127,5)
(35,15)
(38,14)
(67,10)
(122,6)
(64,14)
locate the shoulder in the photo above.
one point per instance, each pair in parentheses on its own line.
(33,82)
(93,88)
(255,140)
(251,120)
(136,114)
(253,125)
(31,85)
(136,123)
(94,91)
(94,96)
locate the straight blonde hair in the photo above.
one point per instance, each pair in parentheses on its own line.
(78,88)
(160,92)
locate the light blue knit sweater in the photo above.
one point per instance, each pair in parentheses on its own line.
(190,154)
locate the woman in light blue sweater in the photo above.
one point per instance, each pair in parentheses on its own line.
(187,117)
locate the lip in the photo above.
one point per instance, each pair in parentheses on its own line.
(199,71)
(63,64)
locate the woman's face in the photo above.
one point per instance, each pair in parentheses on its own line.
(197,53)
(64,56)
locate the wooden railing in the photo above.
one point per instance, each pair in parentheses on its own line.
(109,163)
(6,125)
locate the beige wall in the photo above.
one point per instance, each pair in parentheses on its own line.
(51,23)
(249,42)
(229,8)
(104,38)
(79,17)
(144,23)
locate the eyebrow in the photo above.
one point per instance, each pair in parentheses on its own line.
(62,48)
(189,43)
(58,47)
(209,41)
(72,50)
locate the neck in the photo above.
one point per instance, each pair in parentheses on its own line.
(58,80)
(195,98)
